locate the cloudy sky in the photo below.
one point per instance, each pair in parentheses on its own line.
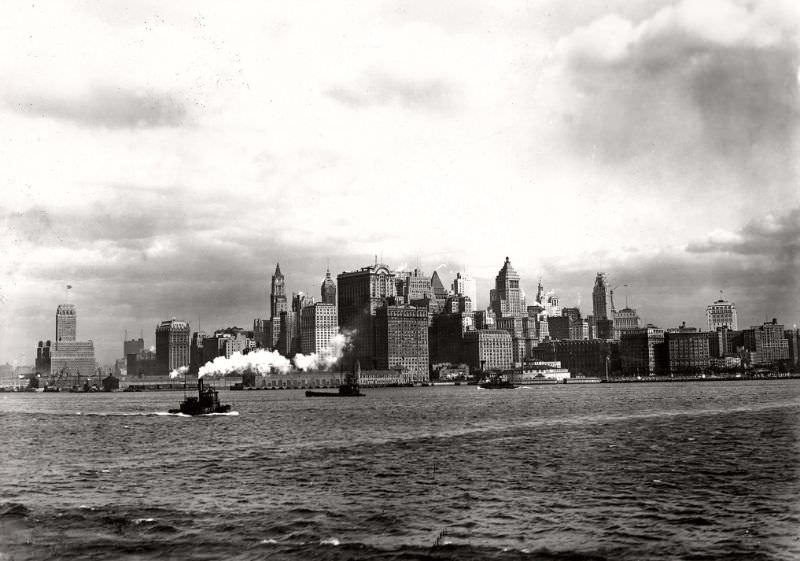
(162,158)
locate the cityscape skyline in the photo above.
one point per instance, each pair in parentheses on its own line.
(162,158)
(284,290)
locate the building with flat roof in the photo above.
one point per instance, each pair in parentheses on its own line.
(360,295)
(66,323)
(401,340)
(488,349)
(687,351)
(319,324)
(722,314)
(172,346)
(643,351)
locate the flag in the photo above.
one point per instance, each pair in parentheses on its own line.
(69,286)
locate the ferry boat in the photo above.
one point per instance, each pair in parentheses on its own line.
(497,382)
(206,402)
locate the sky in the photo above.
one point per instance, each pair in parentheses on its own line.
(161,158)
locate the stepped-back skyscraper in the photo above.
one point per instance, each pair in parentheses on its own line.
(506,297)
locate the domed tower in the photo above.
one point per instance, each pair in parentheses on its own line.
(328,289)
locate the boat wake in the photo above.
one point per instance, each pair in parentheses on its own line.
(168,414)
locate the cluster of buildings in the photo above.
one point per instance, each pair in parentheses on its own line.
(405,326)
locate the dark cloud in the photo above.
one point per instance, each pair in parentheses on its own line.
(378,88)
(107,107)
(777,238)
(689,104)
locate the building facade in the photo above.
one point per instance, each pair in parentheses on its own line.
(722,314)
(767,342)
(319,324)
(464,285)
(172,346)
(643,351)
(687,351)
(401,340)
(361,293)
(66,323)
(488,349)
(602,306)
(506,297)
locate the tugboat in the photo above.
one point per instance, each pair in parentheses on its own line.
(349,388)
(207,401)
(497,382)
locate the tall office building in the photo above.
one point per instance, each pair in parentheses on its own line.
(602,306)
(361,293)
(42,364)
(465,286)
(328,289)
(506,298)
(319,324)
(71,361)
(488,349)
(401,340)
(643,352)
(172,346)
(277,294)
(132,346)
(722,314)
(66,323)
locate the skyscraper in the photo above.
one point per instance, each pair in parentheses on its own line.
(722,314)
(361,293)
(602,306)
(328,289)
(401,340)
(506,298)
(66,322)
(172,346)
(465,286)
(277,295)
(319,324)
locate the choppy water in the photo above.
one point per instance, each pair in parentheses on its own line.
(622,471)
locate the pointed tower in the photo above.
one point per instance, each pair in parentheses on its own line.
(506,298)
(277,297)
(328,289)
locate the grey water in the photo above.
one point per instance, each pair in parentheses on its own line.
(606,471)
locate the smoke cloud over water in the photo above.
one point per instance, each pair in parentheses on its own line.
(265,362)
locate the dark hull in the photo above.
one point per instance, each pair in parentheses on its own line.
(310,393)
(202,410)
(498,386)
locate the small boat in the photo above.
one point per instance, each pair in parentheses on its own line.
(350,387)
(206,402)
(497,382)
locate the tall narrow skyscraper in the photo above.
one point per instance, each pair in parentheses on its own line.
(277,296)
(602,308)
(328,289)
(66,322)
(506,298)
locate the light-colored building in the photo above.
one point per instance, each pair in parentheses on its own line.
(66,323)
(401,340)
(71,362)
(722,314)
(464,285)
(319,324)
(506,298)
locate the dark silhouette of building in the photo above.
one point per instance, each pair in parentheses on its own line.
(277,295)
(446,337)
(401,340)
(360,294)
(328,289)
(590,357)
(687,350)
(793,339)
(172,346)
(602,307)
(643,351)
(42,364)
(132,346)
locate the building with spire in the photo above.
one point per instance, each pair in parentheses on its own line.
(278,304)
(506,298)
(602,306)
(328,289)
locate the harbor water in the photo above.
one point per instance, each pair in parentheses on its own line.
(603,471)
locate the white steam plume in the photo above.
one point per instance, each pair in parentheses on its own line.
(261,362)
(179,372)
(325,360)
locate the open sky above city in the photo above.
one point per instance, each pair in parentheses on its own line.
(162,158)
